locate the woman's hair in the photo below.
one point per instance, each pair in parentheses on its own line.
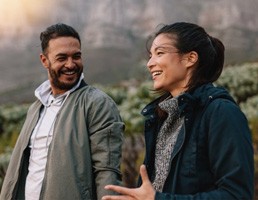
(189,37)
(55,31)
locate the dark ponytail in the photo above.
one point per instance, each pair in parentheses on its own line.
(218,62)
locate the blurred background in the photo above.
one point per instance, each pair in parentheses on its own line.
(114,34)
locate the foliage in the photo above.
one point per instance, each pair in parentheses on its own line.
(241,81)
(131,97)
(11,120)
(250,107)
(4,160)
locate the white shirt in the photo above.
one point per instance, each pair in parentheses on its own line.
(39,143)
(42,136)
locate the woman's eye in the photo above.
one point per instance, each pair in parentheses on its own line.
(159,53)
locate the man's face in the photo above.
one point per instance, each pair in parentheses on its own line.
(63,62)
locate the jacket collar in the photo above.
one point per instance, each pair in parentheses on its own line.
(199,97)
(43,92)
(150,108)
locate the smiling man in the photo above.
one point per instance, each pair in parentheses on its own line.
(70,144)
(63,61)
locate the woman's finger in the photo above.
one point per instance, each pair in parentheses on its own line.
(118,189)
(119,197)
(144,174)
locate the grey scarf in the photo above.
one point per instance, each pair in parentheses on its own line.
(166,140)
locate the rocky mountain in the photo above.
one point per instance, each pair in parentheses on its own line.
(113,33)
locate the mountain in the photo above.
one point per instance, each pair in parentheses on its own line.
(113,35)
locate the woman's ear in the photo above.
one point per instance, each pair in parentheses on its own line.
(44,60)
(191,58)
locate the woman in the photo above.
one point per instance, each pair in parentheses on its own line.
(198,144)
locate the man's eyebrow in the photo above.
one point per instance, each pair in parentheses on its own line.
(64,54)
(60,54)
(78,53)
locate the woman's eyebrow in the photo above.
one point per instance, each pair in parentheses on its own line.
(168,48)
(163,45)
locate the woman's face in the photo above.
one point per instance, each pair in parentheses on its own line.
(168,68)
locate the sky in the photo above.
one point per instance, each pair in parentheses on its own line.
(14,14)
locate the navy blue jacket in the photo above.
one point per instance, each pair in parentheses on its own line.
(213,155)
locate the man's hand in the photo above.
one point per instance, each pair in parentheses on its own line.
(146,191)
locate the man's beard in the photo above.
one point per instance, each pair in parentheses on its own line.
(63,85)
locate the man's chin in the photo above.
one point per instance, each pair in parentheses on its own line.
(66,85)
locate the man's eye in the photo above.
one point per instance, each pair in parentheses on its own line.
(77,57)
(160,53)
(61,58)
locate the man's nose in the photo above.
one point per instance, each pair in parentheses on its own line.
(70,63)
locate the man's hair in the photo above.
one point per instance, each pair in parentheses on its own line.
(55,31)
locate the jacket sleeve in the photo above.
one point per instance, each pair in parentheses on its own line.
(230,153)
(106,138)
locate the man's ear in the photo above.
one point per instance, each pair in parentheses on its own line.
(191,58)
(44,60)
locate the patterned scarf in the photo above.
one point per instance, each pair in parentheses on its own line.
(166,140)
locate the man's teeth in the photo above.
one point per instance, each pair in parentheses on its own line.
(156,73)
(69,73)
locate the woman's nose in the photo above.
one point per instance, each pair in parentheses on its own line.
(151,62)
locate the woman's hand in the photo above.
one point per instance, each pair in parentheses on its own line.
(146,191)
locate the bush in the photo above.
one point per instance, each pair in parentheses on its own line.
(11,120)
(241,81)
(131,97)
(4,161)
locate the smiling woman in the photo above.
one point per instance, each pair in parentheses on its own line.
(191,128)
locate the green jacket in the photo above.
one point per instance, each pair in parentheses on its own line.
(85,152)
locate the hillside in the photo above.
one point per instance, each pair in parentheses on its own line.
(113,34)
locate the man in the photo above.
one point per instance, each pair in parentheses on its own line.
(70,144)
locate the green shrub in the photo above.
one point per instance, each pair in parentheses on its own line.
(131,97)
(241,81)
(11,120)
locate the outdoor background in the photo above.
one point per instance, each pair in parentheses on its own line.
(114,34)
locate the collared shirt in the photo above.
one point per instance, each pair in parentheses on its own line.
(39,144)
(42,136)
